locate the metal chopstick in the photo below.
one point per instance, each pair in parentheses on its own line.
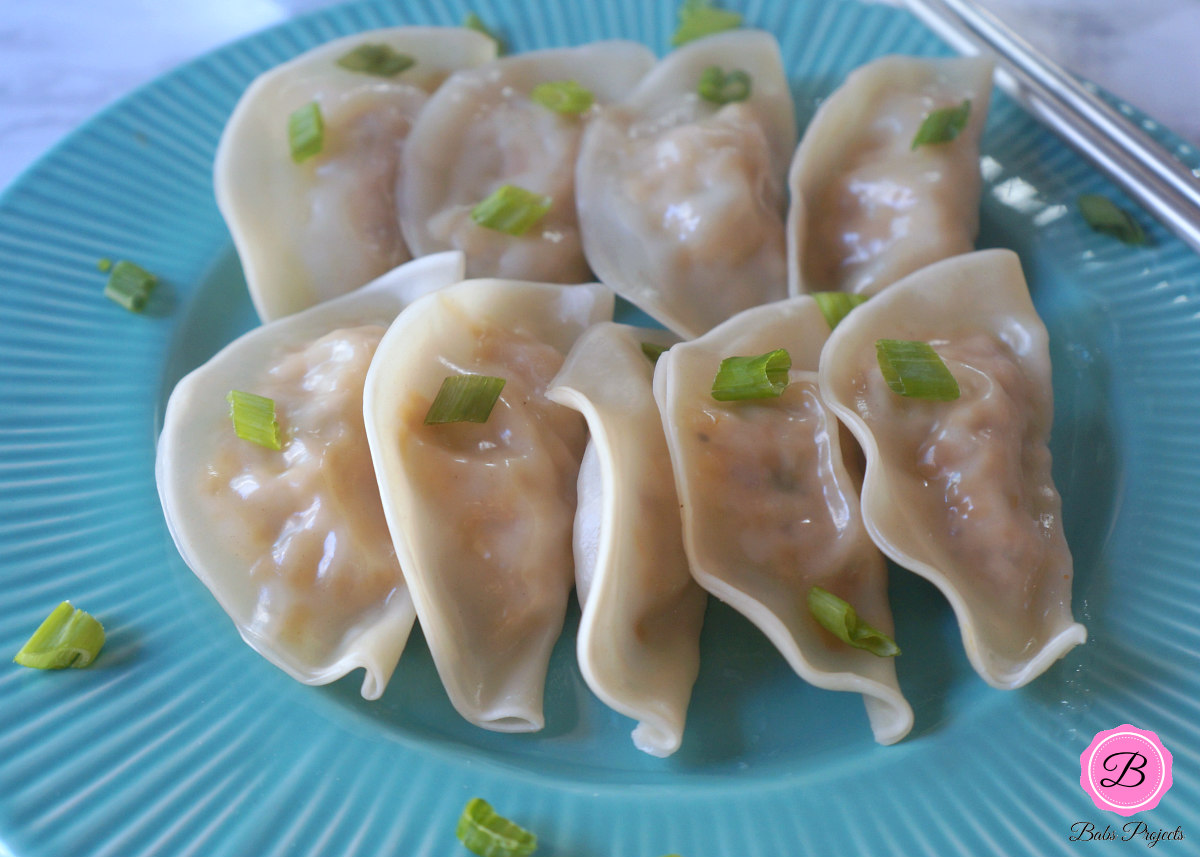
(1117,146)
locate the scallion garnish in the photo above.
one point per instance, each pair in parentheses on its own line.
(129,285)
(915,370)
(464,399)
(722,87)
(653,351)
(942,126)
(377,59)
(699,18)
(68,637)
(761,377)
(254,418)
(474,22)
(836,305)
(1106,217)
(563,96)
(488,834)
(306,132)
(511,209)
(837,617)
(104,265)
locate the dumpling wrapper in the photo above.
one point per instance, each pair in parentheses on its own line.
(961,492)
(639,635)
(481,130)
(769,507)
(481,513)
(867,208)
(681,201)
(293,543)
(311,231)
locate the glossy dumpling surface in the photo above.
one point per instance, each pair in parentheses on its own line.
(307,232)
(961,492)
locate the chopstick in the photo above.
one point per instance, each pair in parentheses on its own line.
(1116,145)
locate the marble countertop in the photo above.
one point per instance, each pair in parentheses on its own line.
(63,61)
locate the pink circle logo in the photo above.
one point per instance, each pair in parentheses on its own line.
(1125,770)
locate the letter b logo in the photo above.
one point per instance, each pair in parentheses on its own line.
(1125,770)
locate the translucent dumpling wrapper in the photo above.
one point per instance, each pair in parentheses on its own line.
(639,635)
(960,491)
(770,509)
(482,513)
(681,199)
(293,542)
(482,130)
(867,207)
(309,231)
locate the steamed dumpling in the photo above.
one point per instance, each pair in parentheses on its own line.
(639,636)
(769,507)
(960,492)
(481,131)
(868,208)
(307,232)
(681,199)
(293,542)
(481,513)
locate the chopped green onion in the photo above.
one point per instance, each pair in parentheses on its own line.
(914,369)
(840,619)
(68,637)
(942,126)
(653,351)
(130,285)
(489,834)
(474,22)
(511,209)
(836,305)
(377,59)
(1106,217)
(103,265)
(254,418)
(563,96)
(699,18)
(465,399)
(721,87)
(306,132)
(761,377)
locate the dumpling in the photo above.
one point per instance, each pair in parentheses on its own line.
(481,513)
(769,507)
(482,131)
(960,491)
(309,231)
(681,199)
(639,635)
(867,206)
(293,542)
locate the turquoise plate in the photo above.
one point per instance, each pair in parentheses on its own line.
(180,740)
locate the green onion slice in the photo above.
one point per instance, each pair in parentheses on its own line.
(254,418)
(722,87)
(915,370)
(129,285)
(1106,217)
(464,399)
(563,96)
(104,265)
(474,22)
(68,637)
(699,18)
(836,305)
(306,132)
(377,59)
(653,351)
(761,377)
(511,209)
(942,126)
(489,834)
(840,619)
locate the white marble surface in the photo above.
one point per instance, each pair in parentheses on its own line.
(62,60)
